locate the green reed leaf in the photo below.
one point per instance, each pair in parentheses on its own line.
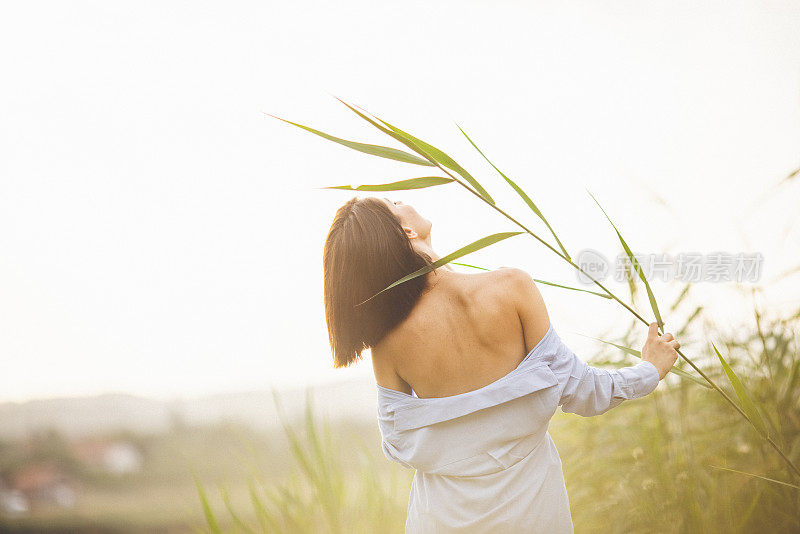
(430,152)
(445,160)
(468,265)
(603,295)
(636,266)
(681,297)
(410,144)
(756,476)
(402,185)
(375,150)
(463,251)
(226,499)
(522,194)
(638,354)
(748,405)
(696,313)
(213,526)
(792,175)
(264,519)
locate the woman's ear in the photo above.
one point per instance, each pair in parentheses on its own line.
(410,232)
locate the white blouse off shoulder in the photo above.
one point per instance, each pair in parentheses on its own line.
(484,459)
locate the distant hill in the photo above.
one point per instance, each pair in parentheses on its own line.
(81,416)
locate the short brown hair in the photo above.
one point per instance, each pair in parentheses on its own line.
(367,250)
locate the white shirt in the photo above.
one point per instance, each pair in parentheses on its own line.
(484,459)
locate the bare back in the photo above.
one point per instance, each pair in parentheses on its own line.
(463,334)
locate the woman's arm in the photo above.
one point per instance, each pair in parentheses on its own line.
(587,390)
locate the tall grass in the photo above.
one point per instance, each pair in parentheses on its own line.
(683,461)
(337,485)
(672,462)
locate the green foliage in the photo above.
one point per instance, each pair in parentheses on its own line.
(680,461)
(747,403)
(534,208)
(332,488)
(636,266)
(429,152)
(411,183)
(442,159)
(374,150)
(213,526)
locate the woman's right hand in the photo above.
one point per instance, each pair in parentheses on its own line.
(661,351)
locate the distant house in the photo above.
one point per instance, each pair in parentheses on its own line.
(113,456)
(37,484)
(12,502)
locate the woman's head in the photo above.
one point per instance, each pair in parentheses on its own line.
(414,225)
(371,243)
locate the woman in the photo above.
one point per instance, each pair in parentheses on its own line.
(469,372)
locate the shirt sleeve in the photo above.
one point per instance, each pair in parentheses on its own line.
(587,390)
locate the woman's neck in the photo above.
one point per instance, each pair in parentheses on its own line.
(425,246)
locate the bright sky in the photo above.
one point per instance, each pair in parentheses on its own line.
(160,235)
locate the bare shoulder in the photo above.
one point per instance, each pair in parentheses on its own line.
(504,278)
(504,283)
(513,274)
(518,282)
(491,290)
(517,287)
